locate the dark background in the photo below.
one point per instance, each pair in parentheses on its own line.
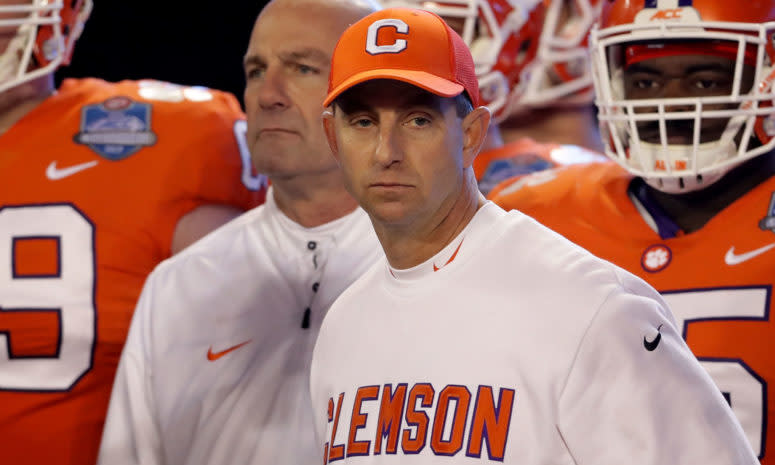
(185,42)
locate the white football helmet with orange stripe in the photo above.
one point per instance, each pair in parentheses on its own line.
(744,33)
(561,71)
(527,52)
(503,38)
(44,32)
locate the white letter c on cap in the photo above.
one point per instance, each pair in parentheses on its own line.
(371,38)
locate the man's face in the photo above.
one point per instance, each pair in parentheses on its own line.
(286,68)
(400,149)
(682,76)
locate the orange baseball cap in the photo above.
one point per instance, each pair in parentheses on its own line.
(405,44)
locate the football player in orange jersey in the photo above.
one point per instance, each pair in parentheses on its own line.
(685,93)
(533,67)
(100,182)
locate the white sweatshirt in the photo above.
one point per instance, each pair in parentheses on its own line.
(513,345)
(216,365)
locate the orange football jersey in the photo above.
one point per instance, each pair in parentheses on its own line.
(718,280)
(525,156)
(94,181)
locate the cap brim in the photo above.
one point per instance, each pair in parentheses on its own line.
(426,81)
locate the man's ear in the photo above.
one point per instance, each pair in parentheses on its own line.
(475,126)
(328,127)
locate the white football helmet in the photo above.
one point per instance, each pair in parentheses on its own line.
(527,53)
(560,73)
(746,31)
(502,36)
(45,32)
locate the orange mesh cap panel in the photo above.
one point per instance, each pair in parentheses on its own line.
(409,45)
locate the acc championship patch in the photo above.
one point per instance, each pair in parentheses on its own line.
(116,128)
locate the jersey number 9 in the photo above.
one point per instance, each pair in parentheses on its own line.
(47,294)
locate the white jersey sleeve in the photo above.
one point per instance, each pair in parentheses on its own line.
(131,435)
(651,401)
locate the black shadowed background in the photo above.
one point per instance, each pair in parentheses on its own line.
(185,42)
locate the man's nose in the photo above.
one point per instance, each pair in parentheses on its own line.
(389,148)
(273,91)
(675,88)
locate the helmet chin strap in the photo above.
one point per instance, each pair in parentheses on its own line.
(685,184)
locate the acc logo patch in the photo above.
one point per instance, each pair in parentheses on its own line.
(656,258)
(116,128)
(768,222)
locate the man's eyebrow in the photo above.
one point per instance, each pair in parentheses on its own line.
(307,54)
(710,67)
(313,54)
(423,98)
(720,67)
(252,60)
(352,103)
(641,68)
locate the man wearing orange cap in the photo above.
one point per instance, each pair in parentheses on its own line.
(483,335)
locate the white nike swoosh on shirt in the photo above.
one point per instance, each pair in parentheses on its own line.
(732,259)
(54,173)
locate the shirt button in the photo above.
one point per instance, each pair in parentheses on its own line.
(311,245)
(315,287)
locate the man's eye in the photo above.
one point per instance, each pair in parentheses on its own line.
(706,84)
(420,121)
(362,122)
(304,69)
(253,73)
(645,84)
